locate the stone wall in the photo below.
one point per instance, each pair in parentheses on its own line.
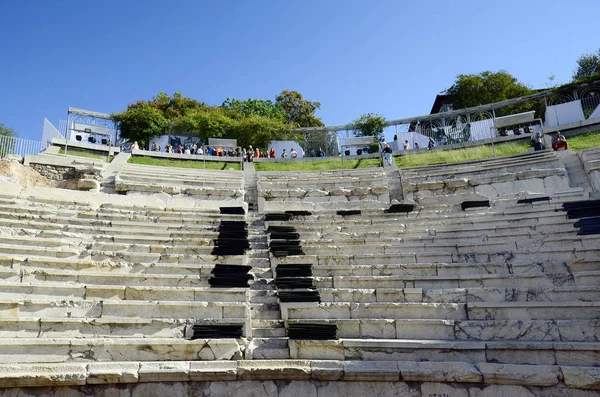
(58,173)
(286,388)
(54,172)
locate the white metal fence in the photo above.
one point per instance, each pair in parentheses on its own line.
(13,145)
(49,132)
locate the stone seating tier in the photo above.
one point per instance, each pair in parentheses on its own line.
(487,297)
(590,158)
(206,184)
(545,157)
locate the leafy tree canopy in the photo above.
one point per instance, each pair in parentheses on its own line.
(251,122)
(299,111)
(588,65)
(370,124)
(6,131)
(488,87)
(256,107)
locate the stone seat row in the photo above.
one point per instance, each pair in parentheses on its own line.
(590,158)
(203,192)
(554,177)
(30,263)
(570,330)
(20,253)
(52,350)
(77,308)
(564,293)
(506,163)
(210,179)
(530,310)
(177,172)
(471,254)
(80,291)
(166,218)
(498,352)
(337,377)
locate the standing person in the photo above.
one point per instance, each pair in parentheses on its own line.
(293,153)
(387,151)
(194,148)
(284,154)
(135,146)
(430,144)
(272,153)
(256,153)
(405,145)
(539,142)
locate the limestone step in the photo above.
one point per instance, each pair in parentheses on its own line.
(56,290)
(462,295)
(115,327)
(445,311)
(435,269)
(77,308)
(405,310)
(126,175)
(115,278)
(186,267)
(54,350)
(477,330)
(445,281)
(500,352)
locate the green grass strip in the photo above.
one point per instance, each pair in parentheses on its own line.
(319,165)
(584,141)
(210,165)
(461,155)
(82,153)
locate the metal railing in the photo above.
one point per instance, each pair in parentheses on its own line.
(22,147)
(50,132)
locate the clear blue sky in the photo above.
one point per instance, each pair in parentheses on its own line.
(389,57)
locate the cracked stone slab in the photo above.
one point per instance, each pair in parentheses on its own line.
(201,371)
(371,371)
(166,371)
(28,375)
(582,377)
(507,374)
(274,369)
(112,372)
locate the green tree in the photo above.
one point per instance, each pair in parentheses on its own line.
(370,124)
(7,131)
(588,65)
(205,123)
(6,145)
(299,111)
(256,107)
(488,87)
(140,122)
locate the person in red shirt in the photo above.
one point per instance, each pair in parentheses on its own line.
(272,153)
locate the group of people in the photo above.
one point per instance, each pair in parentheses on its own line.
(430,144)
(251,153)
(558,141)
